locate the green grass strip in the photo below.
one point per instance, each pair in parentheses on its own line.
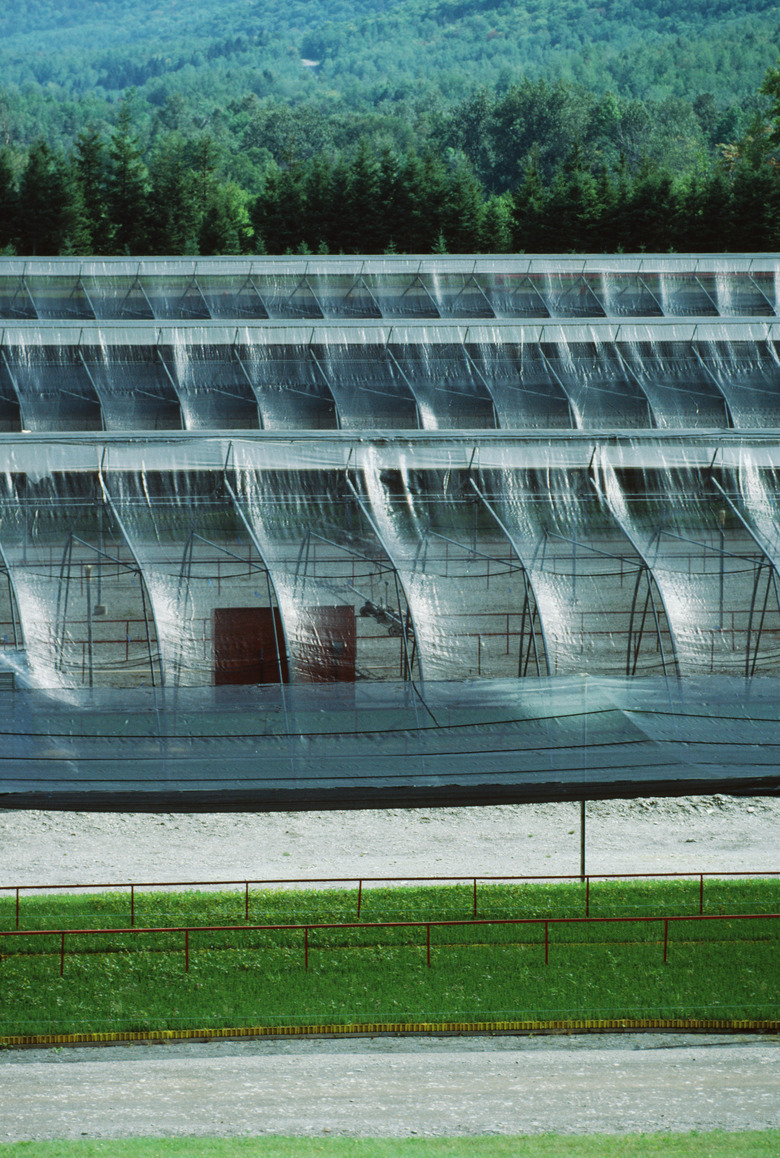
(435,902)
(126,982)
(751,1144)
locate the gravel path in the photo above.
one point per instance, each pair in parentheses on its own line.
(688,835)
(390,1087)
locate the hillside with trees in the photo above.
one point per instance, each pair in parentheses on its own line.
(381,125)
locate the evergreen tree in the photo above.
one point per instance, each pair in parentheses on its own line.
(90,162)
(755,206)
(529,207)
(410,213)
(76,224)
(127,188)
(496,225)
(226,227)
(43,203)
(462,210)
(319,196)
(706,215)
(174,216)
(9,202)
(601,228)
(365,229)
(278,215)
(204,160)
(652,211)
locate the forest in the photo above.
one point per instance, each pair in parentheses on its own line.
(388,126)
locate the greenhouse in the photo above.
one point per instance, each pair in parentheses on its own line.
(346,532)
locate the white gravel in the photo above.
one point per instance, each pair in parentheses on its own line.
(692,834)
(385,1087)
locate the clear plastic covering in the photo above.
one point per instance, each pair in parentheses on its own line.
(485,527)
(355,376)
(341,597)
(598,605)
(375,745)
(79,615)
(390,287)
(411,559)
(706,564)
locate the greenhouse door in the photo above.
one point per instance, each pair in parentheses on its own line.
(246,646)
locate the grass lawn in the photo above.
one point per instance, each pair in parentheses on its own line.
(127,982)
(763,1144)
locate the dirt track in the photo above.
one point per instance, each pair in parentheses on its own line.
(386,1086)
(689,835)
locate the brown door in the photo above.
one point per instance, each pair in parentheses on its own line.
(248,646)
(328,644)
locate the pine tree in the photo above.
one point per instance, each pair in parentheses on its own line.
(204,161)
(652,213)
(278,214)
(174,216)
(496,225)
(90,163)
(43,201)
(365,229)
(529,206)
(319,195)
(462,210)
(127,188)
(226,227)
(9,202)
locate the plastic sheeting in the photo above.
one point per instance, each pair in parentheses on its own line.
(420,558)
(140,377)
(390,287)
(342,532)
(330,746)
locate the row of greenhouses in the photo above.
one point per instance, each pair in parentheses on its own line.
(194,563)
(389,287)
(128,377)
(342,532)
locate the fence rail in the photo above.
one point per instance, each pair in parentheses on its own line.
(245,884)
(307,929)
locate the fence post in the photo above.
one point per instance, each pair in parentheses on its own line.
(475,899)
(186,950)
(546,943)
(666,938)
(17,906)
(701,894)
(360,897)
(428,944)
(132,906)
(62,954)
(246,902)
(306,947)
(587,896)
(582,840)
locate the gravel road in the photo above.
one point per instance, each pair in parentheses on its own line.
(692,834)
(394,1087)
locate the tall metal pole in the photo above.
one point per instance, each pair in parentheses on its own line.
(582,840)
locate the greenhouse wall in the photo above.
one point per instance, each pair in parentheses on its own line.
(335,532)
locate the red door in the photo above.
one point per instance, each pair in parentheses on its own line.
(248,646)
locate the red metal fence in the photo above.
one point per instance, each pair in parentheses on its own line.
(359,882)
(307,929)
